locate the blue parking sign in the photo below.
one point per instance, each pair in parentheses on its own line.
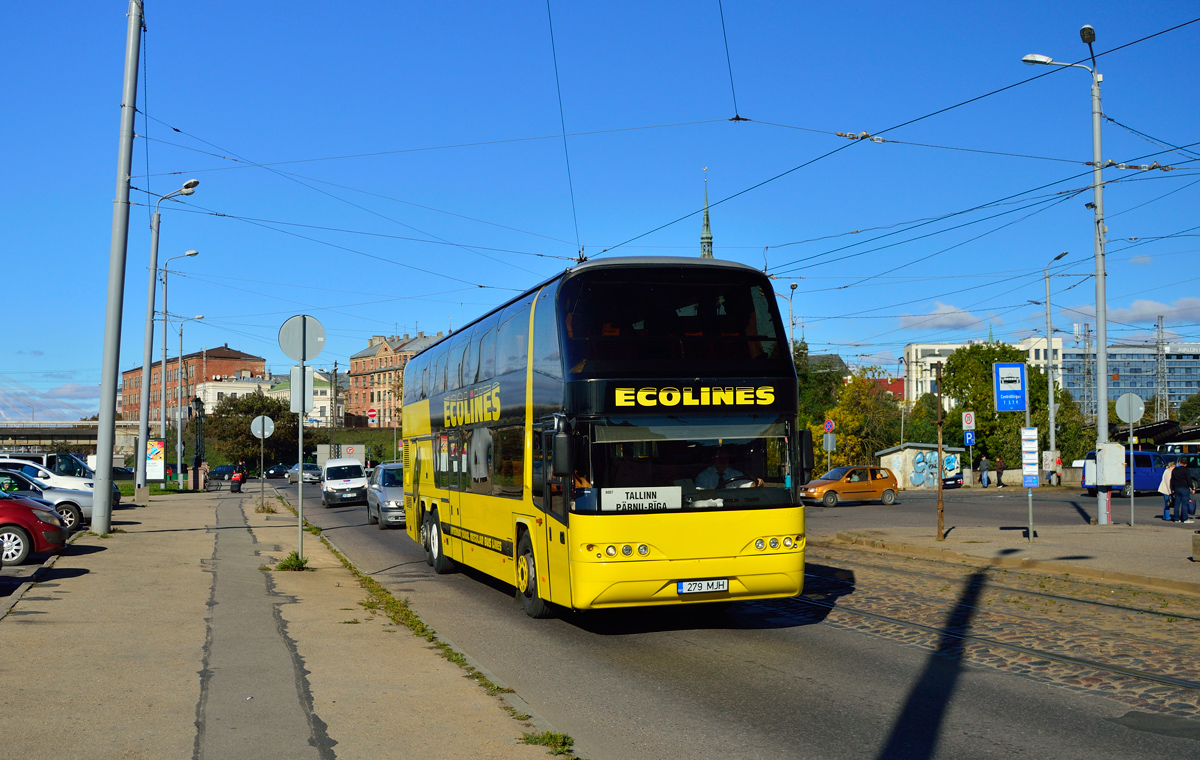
(969,438)
(1010,386)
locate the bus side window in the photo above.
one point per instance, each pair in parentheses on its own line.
(512,349)
(508,461)
(547,358)
(478,445)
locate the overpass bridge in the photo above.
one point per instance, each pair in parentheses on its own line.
(80,435)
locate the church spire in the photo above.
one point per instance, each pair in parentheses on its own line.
(705,232)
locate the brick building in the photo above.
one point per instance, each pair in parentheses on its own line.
(375,375)
(210,364)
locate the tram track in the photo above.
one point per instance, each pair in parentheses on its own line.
(1011,589)
(977,639)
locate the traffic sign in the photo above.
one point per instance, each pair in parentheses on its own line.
(829,443)
(1130,407)
(828,426)
(349,449)
(968,420)
(262,426)
(372,414)
(302,337)
(1009,386)
(969,438)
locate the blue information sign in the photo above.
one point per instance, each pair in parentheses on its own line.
(969,438)
(1009,386)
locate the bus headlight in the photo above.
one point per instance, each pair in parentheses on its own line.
(759,544)
(643,550)
(627,550)
(611,551)
(774,543)
(787,542)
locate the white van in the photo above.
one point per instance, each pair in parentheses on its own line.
(343,481)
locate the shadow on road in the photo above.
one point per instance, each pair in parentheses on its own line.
(1083,513)
(916,729)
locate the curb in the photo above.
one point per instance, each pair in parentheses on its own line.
(511,698)
(7,605)
(1058,568)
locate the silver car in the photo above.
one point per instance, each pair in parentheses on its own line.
(385,496)
(312,473)
(74,507)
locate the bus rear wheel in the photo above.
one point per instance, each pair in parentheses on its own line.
(425,539)
(527,592)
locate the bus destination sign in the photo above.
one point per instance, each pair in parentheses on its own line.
(640,499)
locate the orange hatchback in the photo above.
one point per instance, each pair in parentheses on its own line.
(851,484)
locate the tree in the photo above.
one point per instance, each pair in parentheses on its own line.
(866,419)
(967,378)
(818,384)
(227,427)
(1189,410)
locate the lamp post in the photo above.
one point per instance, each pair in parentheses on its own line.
(1088,35)
(162,385)
(179,408)
(188,188)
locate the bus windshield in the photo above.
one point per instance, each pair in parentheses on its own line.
(712,461)
(663,322)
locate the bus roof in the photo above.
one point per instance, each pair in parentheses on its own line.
(615,262)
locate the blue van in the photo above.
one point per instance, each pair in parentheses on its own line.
(1148,468)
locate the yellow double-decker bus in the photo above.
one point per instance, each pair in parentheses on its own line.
(623,434)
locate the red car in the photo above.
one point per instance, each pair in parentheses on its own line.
(28,527)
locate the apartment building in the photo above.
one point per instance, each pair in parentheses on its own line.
(375,377)
(208,365)
(920,360)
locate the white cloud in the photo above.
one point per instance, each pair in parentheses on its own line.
(942,316)
(75,391)
(1183,310)
(1141,261)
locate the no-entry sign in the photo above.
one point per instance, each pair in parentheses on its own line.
(371,413)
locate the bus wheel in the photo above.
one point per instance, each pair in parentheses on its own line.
(441,563)
(425,539)
(535,606)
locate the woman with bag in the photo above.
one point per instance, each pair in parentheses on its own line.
(1181,484)
(1164,487)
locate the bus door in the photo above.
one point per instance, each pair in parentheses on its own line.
(555,492)
(455,472)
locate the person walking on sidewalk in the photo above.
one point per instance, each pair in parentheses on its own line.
(1164,487)
(983,470)
(1181,484)
(999,472)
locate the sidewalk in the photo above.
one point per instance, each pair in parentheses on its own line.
(1157,556)
(168,640)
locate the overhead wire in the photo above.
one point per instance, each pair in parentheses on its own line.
(737,115)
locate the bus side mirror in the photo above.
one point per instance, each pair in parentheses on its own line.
(804,457)
(562,454)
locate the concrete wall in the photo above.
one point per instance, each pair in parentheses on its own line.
(916,469)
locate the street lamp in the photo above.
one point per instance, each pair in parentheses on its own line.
(188,188)
(1088,35)
(179,405)
(163,370)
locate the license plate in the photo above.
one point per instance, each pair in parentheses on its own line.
(348,495)
(702,587)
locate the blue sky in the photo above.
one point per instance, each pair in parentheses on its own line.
(417,173)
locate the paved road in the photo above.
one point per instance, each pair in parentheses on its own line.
(762,680)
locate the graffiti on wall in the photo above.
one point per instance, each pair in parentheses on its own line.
(925,468)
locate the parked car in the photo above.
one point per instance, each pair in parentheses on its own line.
(863,483)
(74,507)
(277,471)
(953,481)
(28,527)
(221,472)
(385,496)
(312,473)
(1148,467)
(52,479)
(343,482)
(123,473)
(60,464)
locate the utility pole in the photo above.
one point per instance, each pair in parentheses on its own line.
(1161,409)
(106,432)
(1050,360)
(941,534)
(1089,377)
(333,451)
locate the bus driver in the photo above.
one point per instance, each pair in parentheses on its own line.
(720,473)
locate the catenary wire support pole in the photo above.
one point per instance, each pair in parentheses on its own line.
(118,246)
(188,188)
(1088,35)
(941,533)
(300,444)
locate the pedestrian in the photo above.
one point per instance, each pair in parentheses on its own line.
(1181,484)
(983,470)
(1164,487)
(999,472)
(1058,469)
